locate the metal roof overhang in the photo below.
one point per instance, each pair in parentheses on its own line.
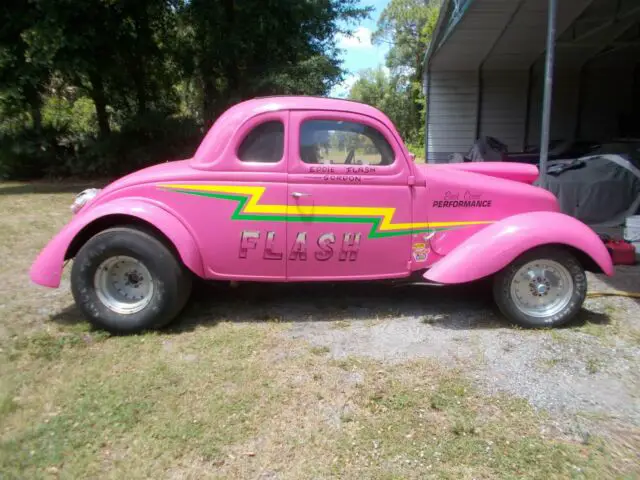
(511,34)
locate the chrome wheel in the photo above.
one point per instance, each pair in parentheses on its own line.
(123,284)
(542,288)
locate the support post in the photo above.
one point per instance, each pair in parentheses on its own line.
(548,91)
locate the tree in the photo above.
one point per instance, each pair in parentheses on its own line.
(111,85)
(84,56)
(115,57)
(407,26)
(259,47)
(391,95)
(143,46)
(23,76)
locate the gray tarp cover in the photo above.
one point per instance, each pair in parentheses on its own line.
(603,192)
(487,149)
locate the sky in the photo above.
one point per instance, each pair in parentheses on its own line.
(358,51)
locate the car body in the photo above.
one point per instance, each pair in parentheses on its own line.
(291,189)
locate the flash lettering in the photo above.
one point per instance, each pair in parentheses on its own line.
(350,247)
(269,254)
(248,240)
(324,244)
(299,248)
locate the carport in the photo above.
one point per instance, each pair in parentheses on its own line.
(485,73)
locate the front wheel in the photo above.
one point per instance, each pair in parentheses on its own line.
(544,287)
(125,280)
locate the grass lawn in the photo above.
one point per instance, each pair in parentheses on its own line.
(213,398)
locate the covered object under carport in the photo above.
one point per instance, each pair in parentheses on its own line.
(484,73)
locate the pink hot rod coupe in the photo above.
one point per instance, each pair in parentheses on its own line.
(297,189)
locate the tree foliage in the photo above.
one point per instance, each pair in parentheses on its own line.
(255,47)
(105,86)
(392,95)
(407,27)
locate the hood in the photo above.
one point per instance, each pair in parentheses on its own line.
(517,172)
(168,171)
(179,170)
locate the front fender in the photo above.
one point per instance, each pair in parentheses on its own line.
(47,269)
(494,247)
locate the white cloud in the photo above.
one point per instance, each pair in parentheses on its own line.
(342,89)
(361,38)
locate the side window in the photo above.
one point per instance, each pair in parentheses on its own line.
(349,143)
(264,144)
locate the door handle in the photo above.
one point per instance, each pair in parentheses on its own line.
(300,194)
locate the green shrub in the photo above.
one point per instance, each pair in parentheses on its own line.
(145,141)
(28,154)
(67,146)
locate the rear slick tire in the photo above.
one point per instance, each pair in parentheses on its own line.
(543,288)
(125,281)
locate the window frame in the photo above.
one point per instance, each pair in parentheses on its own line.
(244,137)
(231,161)
(399,170)
(363,134)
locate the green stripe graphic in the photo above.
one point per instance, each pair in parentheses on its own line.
(242,201)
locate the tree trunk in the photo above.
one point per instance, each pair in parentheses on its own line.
(137,74)
(141,90)
(100,101)
(232,68)
(36,116)
(136,58)
(35,107)
(209,94)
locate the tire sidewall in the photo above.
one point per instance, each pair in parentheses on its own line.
(162,265)
(506,304)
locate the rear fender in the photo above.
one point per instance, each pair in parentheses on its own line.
(47,269)
(494,247)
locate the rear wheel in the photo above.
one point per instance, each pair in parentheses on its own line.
(125,280)
(544,287)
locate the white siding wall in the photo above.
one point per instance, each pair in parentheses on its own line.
(608,101)
(451,113)
(503,107)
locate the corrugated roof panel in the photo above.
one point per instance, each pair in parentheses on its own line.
(504,34)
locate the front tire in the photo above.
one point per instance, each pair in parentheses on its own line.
(544,287)
(125,280)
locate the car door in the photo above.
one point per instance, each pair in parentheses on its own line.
(349,198)
(240,211)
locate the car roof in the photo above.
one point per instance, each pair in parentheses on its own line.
(220,133)
(303,102)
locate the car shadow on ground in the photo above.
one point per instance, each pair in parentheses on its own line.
(340,302)
(585,317)
(462,307)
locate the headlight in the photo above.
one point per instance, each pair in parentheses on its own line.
(83,198)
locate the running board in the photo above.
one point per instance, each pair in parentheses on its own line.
(423,283)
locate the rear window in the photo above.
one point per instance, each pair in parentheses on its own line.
(263,144)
